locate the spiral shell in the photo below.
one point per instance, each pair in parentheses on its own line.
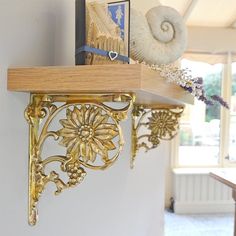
(160,37)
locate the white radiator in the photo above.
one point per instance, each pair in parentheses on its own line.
(196,192)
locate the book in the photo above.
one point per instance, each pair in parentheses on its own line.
(102,32)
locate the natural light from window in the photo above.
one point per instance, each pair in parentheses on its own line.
(232,143)
(200,124)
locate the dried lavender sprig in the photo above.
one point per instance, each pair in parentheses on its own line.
(202,98)
(220,100)
(183,78)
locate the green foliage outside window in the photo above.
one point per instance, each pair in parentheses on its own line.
(234,85)
(212,85)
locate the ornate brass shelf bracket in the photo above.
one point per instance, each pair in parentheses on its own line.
(88,129)
(151,124)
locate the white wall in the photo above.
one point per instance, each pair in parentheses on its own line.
(117,202)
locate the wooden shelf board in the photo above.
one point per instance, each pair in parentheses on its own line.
(149,87)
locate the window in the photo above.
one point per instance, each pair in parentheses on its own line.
(200,136)
(232,140)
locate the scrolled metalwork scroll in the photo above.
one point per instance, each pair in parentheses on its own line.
(156,122)
(89,132)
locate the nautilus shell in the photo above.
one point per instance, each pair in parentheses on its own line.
(158,38)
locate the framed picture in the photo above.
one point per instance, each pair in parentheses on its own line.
(102,32)
(119,11)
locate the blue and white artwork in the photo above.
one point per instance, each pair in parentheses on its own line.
(118,14)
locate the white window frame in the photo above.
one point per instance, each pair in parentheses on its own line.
(226,93)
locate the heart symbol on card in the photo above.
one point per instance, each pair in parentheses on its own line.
(113,55)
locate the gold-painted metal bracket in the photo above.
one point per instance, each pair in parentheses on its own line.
(86,127)
(151,124)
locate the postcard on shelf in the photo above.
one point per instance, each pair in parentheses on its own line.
(102,32)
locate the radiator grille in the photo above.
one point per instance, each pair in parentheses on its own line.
(199,193)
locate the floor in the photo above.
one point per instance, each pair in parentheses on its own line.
(199,225)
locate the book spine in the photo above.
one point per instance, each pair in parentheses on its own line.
(80,30)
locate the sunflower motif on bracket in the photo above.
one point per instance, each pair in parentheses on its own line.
(162,122)
(163,125)
(90,132)
(87,135)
